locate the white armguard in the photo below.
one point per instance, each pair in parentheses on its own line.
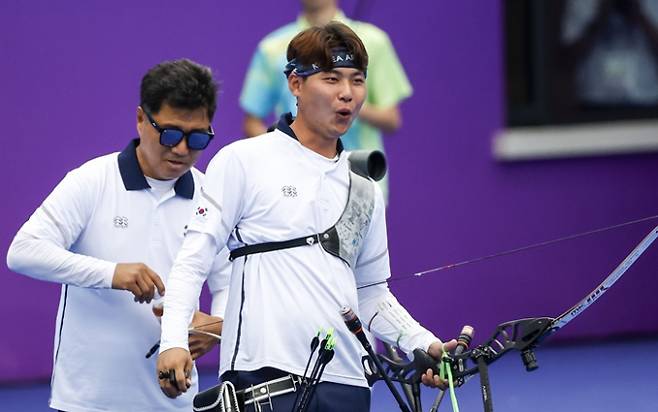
(382,314)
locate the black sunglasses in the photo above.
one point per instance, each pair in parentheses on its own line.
(172,136)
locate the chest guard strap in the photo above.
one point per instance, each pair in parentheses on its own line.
(344,238)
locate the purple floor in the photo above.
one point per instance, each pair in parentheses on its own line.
(603,377)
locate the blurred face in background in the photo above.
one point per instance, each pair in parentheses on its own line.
(316,5)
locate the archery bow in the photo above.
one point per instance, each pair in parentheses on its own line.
(522,335)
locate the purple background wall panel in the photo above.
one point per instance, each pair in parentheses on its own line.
(70,76)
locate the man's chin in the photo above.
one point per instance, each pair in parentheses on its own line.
(341,128)
(174,169)
(169,174)
(339,132)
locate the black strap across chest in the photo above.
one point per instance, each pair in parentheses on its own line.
(286,244)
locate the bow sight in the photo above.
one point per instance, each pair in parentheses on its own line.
(519,335)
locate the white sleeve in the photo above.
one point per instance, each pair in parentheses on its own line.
(218,281)
(382,314)
(221,197)
(184,284)
(221,201)
(41,246)
(45,260)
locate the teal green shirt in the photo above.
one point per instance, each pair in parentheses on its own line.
(265,89)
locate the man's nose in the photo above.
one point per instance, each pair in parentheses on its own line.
(181,149)
(345,92)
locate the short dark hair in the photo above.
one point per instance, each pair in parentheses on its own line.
(315,45)
(182,84)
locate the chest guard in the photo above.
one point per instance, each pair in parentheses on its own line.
(344,239)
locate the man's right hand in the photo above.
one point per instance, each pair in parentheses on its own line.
(138,279)
(174,362)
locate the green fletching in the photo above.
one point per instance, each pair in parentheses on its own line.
(331,343)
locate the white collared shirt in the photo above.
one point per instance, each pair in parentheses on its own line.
(88,224)
(272,188)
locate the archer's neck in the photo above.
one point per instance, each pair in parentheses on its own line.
(324,145)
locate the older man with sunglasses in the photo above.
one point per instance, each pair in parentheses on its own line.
(113,226)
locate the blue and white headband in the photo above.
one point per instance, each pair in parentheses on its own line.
(340,58)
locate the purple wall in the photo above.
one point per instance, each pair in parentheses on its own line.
(70,75)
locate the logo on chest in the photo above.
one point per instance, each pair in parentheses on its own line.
(289,191)
(120,222)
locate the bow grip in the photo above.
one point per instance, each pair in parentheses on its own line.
(424,361)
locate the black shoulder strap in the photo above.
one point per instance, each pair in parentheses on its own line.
(270,246)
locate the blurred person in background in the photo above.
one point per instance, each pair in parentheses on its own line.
(265,90)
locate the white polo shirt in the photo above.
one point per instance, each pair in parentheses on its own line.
(272,188)
(100,214)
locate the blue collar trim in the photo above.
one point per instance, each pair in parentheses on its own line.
(284,125)
(133,177)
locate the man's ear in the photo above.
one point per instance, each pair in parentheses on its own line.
(141,120)
(295,83)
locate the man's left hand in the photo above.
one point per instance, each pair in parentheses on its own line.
(436,349)
(201,344)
